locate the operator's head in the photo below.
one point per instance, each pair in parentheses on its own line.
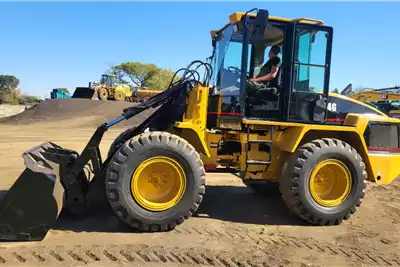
(274,51)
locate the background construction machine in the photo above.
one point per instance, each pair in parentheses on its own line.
(386,99)
(320,148)
(59,93)
(111,88)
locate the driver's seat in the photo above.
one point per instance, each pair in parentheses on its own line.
(267,94)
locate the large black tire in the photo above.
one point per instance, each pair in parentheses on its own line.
(103,93)
(119,96)
(296,173)
(117,143)
(126,160)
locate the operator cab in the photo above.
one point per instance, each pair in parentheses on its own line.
(108,79)
(241,49)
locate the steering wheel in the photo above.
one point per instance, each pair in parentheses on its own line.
(234,70)
(237,71)
(311,97)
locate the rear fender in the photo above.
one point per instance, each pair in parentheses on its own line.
(292,138)
(352,138)
(381,168)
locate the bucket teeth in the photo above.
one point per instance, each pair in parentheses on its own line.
(35,160)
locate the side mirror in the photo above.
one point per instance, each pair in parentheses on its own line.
(347,90)
(260,24)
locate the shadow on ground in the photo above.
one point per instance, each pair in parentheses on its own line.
(226,203)
(240,205)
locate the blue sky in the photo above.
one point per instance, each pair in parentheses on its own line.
(52,44)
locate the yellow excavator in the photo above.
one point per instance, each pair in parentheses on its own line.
(383,99)
(319,148)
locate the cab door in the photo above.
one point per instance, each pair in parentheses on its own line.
(312,46)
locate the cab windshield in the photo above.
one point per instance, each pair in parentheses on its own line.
(227,61)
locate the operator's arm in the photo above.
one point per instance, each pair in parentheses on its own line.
(269,76)
(275,65)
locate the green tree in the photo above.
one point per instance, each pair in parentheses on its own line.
(8,82)
(9,92)
(138,73)
(11,97)
(161,79)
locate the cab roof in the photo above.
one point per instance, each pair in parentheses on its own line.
(237,16)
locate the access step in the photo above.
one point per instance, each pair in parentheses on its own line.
(260,141)
(258,162)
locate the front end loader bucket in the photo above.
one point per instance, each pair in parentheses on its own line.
(31,206)
(85,92)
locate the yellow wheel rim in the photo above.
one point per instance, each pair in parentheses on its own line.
(330,183)
(158,183)
(119,96)
(104,94)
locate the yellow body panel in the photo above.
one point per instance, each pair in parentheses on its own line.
(385,167)
(124,89)
(194,121)
(289,139)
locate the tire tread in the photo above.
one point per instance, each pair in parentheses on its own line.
(289,185)
(119,159)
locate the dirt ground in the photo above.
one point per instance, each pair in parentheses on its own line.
(234,227)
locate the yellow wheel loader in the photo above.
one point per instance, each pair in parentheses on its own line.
(319,148)
(110,88)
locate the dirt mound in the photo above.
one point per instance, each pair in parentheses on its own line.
(83,111)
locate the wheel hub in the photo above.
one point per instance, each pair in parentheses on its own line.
(330,183)
(158,183)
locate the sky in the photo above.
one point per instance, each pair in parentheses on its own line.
(67,44)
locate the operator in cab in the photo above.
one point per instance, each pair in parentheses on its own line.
(268,78)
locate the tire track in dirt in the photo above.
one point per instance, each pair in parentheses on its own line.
(112,255)
(266,242)
(262,250)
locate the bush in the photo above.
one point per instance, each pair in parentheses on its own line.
(28,100)
(10,97)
